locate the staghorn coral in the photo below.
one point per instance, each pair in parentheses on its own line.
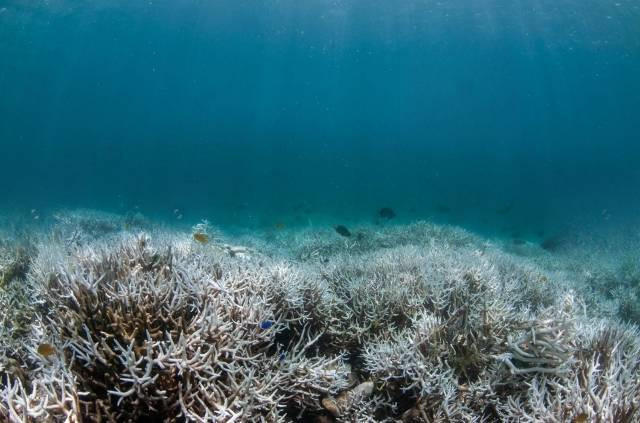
(414,323)
(601,385)
(145,332)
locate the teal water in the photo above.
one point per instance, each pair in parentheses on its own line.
(502,116)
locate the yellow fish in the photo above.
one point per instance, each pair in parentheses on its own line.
(580,418)
(46,350)
(201,238)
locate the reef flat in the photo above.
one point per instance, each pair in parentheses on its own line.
(116,318)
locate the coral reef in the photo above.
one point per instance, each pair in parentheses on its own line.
(407,323)
(14,262)
(145,332)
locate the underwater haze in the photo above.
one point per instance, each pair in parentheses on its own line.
(515,117)
(320,211)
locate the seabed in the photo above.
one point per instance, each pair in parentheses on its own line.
(117,318)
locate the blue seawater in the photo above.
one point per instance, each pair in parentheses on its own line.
(515,117)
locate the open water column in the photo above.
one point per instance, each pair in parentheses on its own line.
(320,211)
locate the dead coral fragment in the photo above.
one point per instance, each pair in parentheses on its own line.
(338,405)
(236,251)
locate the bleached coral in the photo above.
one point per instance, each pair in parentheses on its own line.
(601,385)
(144,331)
(412,323)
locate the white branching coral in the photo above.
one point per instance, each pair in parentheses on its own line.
(413,323)
(140,331)
(601,385)
(545,345)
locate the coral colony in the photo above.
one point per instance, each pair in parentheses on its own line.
(113,319)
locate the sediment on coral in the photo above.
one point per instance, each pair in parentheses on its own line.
(411,323)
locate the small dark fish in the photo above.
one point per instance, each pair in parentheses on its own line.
(267,324)
(280,226)
(554,243)
(282,356)
(518,241)
(201,238)
(46,350)
(342,230)
(386,213)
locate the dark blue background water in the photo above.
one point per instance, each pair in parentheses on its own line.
(493,114)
